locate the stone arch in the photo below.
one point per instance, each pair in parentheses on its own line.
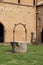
(24,26)
(1,32)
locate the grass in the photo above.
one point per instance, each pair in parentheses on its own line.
(34,56)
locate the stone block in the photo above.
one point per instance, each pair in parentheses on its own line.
(19,46)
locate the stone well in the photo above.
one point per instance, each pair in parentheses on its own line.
(19,46)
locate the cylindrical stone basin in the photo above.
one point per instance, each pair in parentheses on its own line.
(19,46)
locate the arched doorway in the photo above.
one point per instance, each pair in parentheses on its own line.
(42,35)
(1,32)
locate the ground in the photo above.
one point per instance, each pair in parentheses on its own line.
(34,56)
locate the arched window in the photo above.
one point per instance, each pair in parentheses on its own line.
(18,1)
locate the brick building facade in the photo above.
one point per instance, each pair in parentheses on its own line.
(19,20)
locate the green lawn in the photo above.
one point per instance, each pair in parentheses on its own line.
(34,56)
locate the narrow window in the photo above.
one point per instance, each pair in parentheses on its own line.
(18,1)
(33,2)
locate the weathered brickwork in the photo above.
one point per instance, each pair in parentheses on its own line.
(12,13)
